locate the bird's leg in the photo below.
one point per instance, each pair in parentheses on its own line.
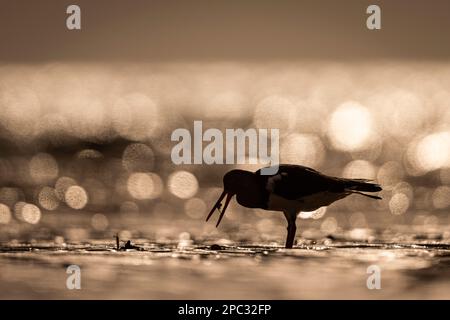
(291,235)
(291,229)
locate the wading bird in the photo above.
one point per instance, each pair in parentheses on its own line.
(291,190)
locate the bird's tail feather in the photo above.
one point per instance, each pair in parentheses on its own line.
(361,185)
(367,195)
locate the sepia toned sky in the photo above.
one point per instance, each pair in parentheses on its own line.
(200,30)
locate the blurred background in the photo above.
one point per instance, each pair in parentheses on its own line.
(92,143)
(86,116)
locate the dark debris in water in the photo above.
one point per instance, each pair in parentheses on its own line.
(216,247)
(128,245)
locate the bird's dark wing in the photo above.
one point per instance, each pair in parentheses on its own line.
(294,182)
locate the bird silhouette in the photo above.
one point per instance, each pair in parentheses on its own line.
(292,189)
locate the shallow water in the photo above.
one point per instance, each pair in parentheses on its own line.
(327,268)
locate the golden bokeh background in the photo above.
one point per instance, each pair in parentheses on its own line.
(92,141)
(86,118)
(86,115)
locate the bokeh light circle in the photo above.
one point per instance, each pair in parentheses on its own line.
(399,204)
(76,197)
(304,149)
(182,184)
(43,168)
(142,185)
(350,127)
(5,214)
(61,186)
(433,152)
(138,157)
(9,196)
(48,199)
(99,222)
(441,197)
(390,174)
(30,213)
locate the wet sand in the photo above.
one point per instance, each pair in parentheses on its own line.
(322,269)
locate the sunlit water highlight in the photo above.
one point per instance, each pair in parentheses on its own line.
(328,268)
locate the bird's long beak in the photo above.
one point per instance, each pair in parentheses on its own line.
(218,205)
(227,201)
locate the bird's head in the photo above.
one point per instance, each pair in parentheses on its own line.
(237,181)
(234,182)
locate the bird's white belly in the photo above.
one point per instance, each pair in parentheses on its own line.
(308,203)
